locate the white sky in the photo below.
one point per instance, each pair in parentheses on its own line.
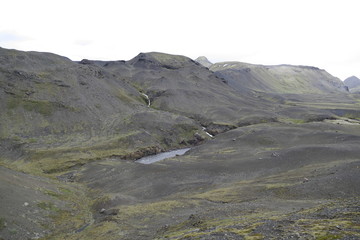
(321,33)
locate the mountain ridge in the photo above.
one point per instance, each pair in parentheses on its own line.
(279,78)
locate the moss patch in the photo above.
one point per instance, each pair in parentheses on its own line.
(45,108)
(2,223)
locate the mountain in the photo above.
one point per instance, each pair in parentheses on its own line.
(282,141)
(203,61)
(282,79)
(353,83)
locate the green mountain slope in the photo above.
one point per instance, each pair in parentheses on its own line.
(282,79)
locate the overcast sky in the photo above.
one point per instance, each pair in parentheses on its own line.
(321,33)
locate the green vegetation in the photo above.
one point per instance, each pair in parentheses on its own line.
(75,214)
(49,206)
(124,96)
(2,223)
(329,237)
(292,120)
(45,108)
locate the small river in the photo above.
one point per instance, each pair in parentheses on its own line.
(162,156)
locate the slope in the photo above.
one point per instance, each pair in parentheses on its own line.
(182,86)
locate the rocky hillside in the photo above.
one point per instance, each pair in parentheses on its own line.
(84,109)
(353,83)
(282,79)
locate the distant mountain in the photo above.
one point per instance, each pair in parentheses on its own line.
(204,61)
(282,79)
(353,83)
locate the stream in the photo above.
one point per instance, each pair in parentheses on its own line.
(162,156)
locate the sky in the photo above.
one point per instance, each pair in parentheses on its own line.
(321,33)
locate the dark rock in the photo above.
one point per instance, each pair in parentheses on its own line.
(111,212)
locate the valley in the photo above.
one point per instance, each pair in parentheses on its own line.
(273,151)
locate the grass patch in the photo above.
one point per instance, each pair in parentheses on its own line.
(51,193)
(124,96)
(329,237)
(227,151)
(45,108)
(2,223)
(49,206)
(156,208)
(292,120)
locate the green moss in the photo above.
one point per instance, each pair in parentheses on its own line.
(186,131)
(352,116)
(32,140)
(45,108)
(44,75)
(49,206)
(13,103)
(124,96)
(156,208)
(227,151)
(103,230)
(2,223)
(292,120)
(51,193)
(329,237)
